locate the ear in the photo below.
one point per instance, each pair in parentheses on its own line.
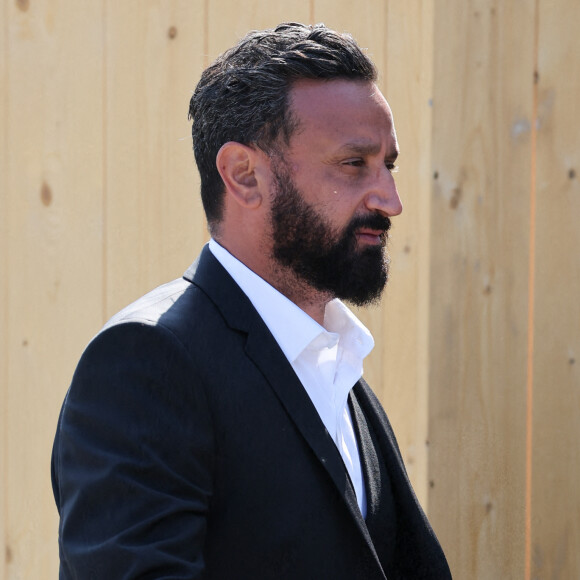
(236,164)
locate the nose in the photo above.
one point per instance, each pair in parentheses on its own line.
(383,196)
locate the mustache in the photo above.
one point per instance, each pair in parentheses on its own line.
(372,221)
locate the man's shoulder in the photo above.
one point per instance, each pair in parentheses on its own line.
(173,305)
(167,329)
(198,311)
(157,305)
(180,308)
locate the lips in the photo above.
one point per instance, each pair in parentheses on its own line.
(371,230)
(370,236)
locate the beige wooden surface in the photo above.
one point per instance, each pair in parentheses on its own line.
(482,118)
(52,255)
(555,545)
(403,348)
(3,285)
(153,55)
(99,203)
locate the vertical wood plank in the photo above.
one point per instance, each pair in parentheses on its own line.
(4,306)
(53,241)
(404,350)
(483,74)
(556,420)
(154,220)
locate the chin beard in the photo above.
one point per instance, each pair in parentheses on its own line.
(327,260)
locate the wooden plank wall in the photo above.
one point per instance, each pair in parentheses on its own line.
(52,250)
(481,143)
(153,54)
(3,287)
(478,338)
(555,498)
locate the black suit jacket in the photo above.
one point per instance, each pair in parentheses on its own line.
(187,448)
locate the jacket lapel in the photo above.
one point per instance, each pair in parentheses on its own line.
(209,275)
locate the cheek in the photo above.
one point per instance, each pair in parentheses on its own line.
(326,192)
(339,205)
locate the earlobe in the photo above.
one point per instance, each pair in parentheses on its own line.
(236,164)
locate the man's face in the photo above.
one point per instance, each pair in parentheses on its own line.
(334,192)
(327,259)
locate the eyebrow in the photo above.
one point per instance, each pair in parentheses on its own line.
(366,148)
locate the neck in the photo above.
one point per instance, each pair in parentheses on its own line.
(307,298)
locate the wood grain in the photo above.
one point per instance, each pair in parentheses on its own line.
(404,340)
(4,306)
(52,254)
(154,221)
(483,74)
(556,434)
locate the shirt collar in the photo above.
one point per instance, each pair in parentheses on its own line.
(291,327)
(354,335)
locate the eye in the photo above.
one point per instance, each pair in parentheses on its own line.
(355,162)
(392,167)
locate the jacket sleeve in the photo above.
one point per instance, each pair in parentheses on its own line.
(132,459)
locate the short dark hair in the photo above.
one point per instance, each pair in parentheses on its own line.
(243,95)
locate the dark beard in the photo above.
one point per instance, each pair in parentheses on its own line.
(325,259)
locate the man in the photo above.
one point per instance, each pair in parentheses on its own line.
(219,427)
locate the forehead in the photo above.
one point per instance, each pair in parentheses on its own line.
(342,111)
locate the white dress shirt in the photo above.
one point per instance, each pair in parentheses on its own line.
(327,359)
